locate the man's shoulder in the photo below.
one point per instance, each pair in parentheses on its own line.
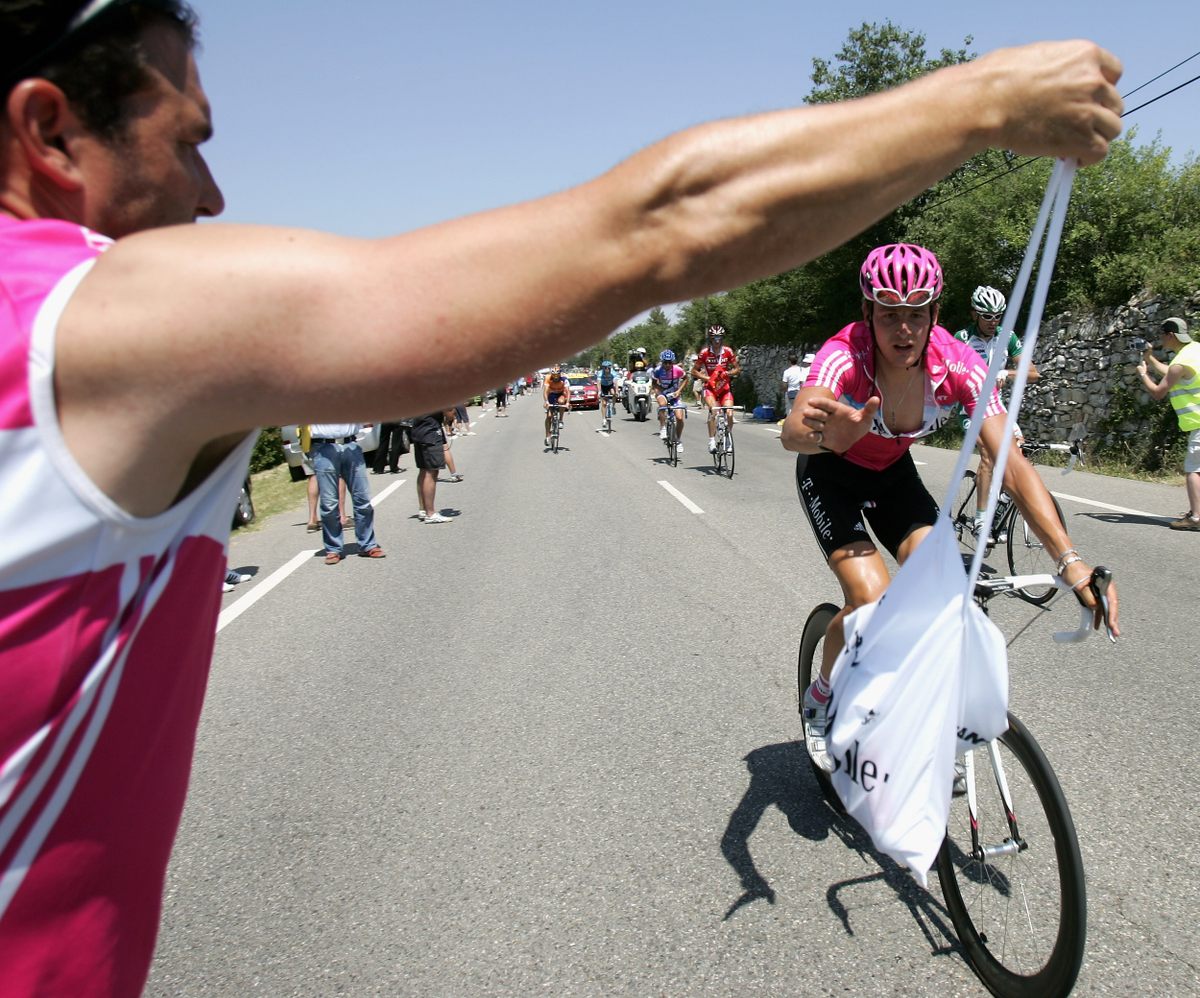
(964,335)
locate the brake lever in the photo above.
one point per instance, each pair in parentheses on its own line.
(1098,584)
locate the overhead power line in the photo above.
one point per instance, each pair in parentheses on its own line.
(1033,159)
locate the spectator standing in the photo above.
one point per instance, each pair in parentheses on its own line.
(502,400)
(793,381)
(429,454)
(337,456)
(1180,381)
(391,446)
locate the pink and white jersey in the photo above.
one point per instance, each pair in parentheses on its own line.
(954,374)
(107,623)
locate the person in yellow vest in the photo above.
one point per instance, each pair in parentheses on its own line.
(1181,383)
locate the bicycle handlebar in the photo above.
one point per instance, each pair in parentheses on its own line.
(1101,579)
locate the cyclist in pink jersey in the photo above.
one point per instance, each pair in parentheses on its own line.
(133,373)
(875,388)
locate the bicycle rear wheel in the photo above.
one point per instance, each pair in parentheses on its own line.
(1014,883)
(1027,555)
(812,642)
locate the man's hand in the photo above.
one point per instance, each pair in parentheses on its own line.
(836,426)
(1058,98)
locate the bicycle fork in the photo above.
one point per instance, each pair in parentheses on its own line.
(1014,843)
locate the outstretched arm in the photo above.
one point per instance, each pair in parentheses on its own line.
(453,308)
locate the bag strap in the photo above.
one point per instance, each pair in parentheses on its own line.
(1053,212)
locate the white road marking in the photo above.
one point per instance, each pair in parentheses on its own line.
(688,504)
(240,606)
(1104,505)
(236,609)
(376,500)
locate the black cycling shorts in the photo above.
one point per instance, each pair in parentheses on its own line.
(837,494)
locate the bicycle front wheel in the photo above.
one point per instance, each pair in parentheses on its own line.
(672,441)
(1013,879)
(728,446)
(962,513)
(1027,555)
(808,662)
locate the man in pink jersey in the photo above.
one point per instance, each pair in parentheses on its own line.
(138,352)
(874,389)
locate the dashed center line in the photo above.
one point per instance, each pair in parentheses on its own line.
(688,504)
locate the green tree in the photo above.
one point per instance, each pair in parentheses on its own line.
(807,304)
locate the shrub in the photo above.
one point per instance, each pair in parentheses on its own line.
(268,449)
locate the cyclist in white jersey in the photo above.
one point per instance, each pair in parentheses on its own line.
(985,337)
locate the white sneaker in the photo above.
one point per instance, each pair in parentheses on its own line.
(815,718)
(679,448)
(712,445)
(421,514)
(226,587)
(662,434)
(232,578)
(437,518)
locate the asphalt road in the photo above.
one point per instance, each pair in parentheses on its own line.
(549,747)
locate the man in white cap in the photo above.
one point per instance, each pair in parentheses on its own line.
(1181,383)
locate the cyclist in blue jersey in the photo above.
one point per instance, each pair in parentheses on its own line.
(985,337)
(607,383)
(667,380)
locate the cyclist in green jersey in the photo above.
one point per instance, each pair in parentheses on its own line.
(985,336)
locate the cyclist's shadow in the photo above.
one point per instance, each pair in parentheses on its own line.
(780,777)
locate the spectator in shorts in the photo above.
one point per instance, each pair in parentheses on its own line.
(429,453)
(793,381)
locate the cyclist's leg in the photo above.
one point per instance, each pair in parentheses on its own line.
(662,414)
(679,418)
(863,576)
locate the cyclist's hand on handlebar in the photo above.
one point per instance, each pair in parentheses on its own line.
(838,426)
(1096,589)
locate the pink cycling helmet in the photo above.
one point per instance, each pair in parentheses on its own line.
(901,274)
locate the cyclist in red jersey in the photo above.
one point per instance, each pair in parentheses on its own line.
(716,355)
(875,388)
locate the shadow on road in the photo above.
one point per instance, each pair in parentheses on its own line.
(780,777)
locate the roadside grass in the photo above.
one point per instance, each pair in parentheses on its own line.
(273,491)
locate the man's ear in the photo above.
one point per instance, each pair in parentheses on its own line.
(40,117)
(934,310)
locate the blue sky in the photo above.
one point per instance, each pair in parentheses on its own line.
(372,118)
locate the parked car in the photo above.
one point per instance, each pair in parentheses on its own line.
(585,393)
(243,512)
(298,466)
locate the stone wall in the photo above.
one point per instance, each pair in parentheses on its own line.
(1083,358)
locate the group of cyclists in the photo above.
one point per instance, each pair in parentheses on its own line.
(712,373)
(879,385)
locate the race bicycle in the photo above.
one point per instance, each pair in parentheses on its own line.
(556,421)
(723,454)
(1010,867)
(610,408)
(672,438)
(1026,553)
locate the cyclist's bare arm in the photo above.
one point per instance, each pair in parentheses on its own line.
(1033,500)
(214,329)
